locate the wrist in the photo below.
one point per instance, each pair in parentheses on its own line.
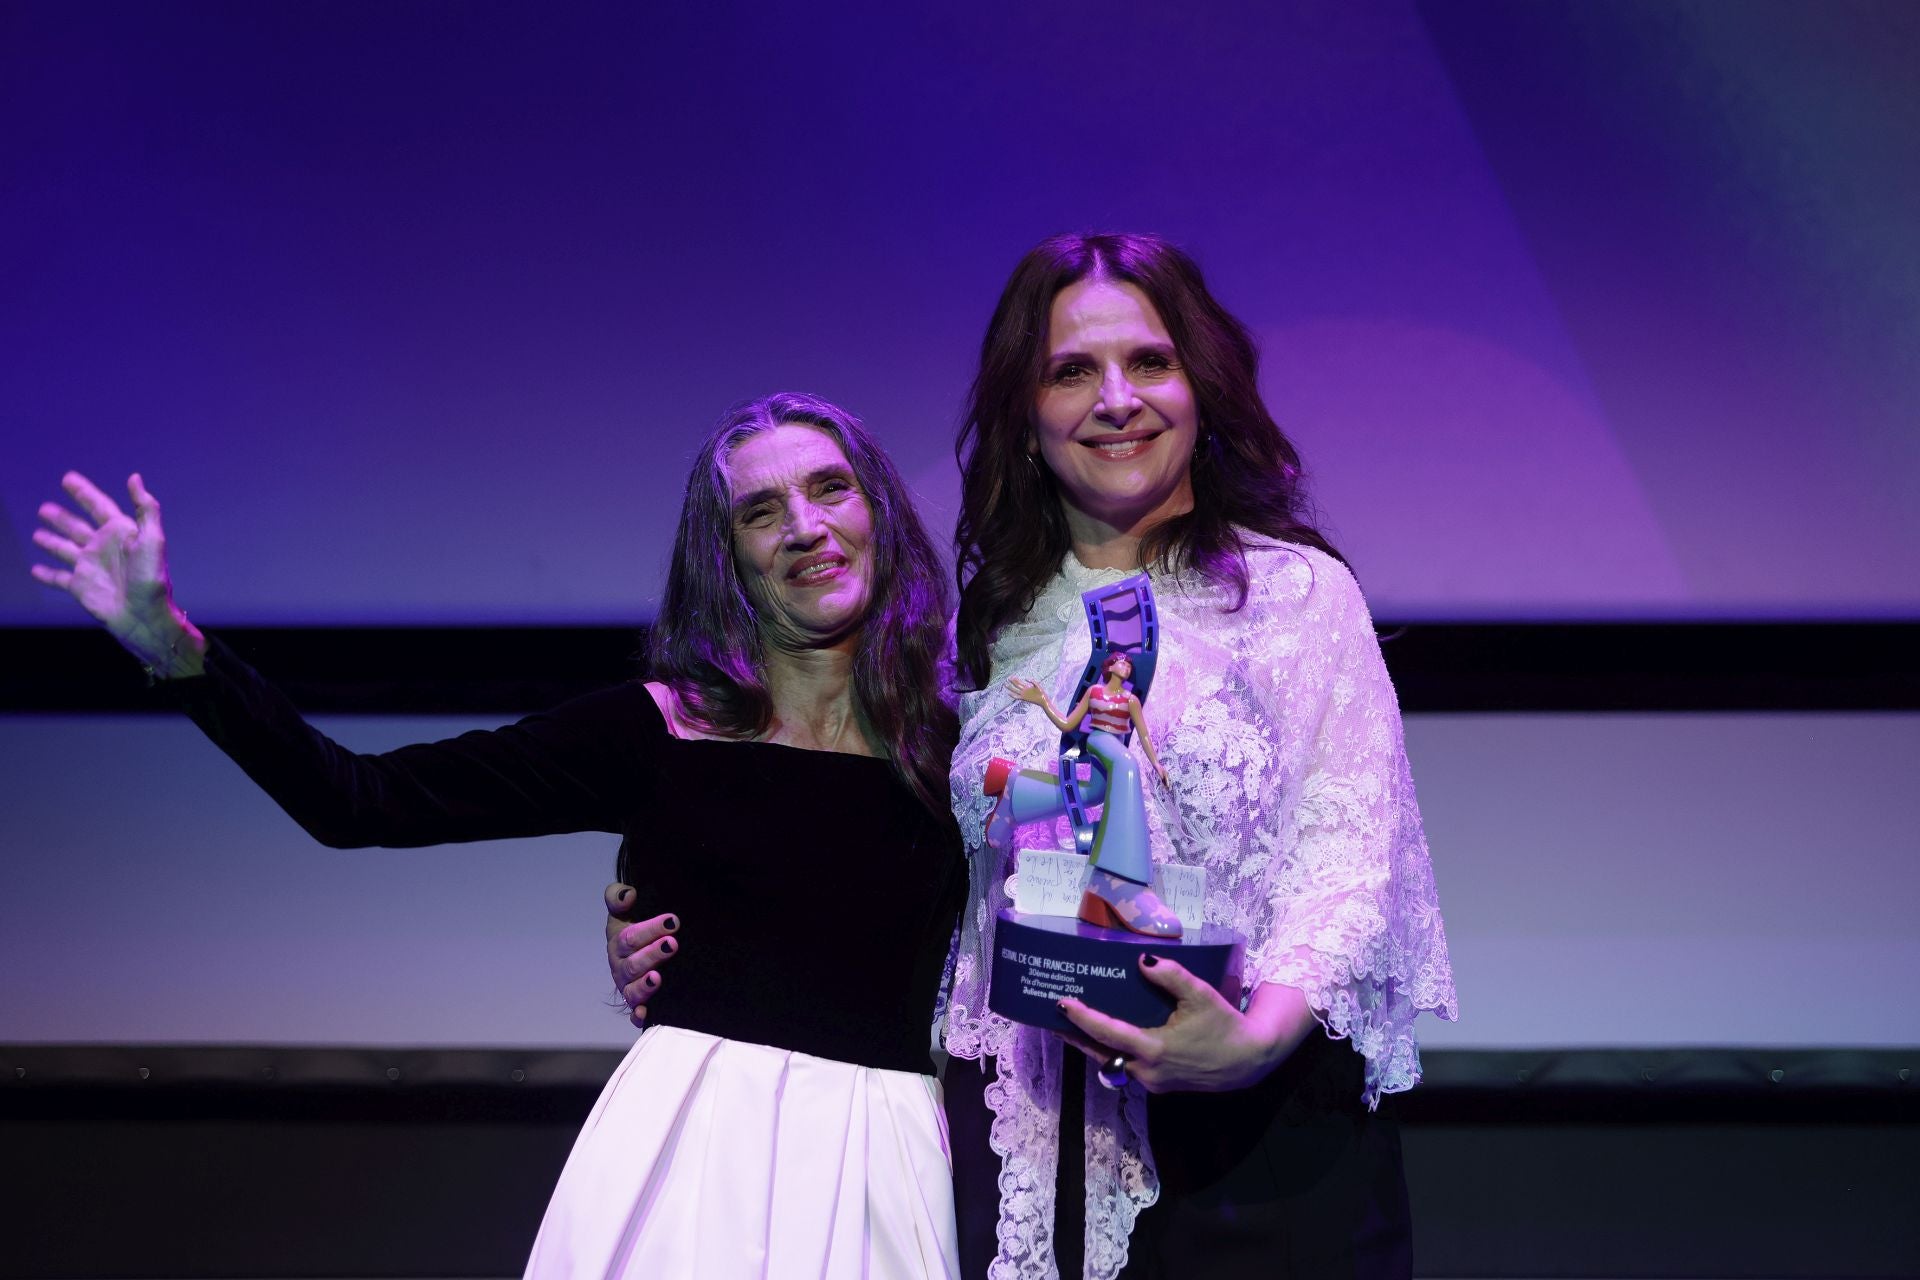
(1278,1018)
(174,649)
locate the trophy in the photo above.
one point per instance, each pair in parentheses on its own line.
(1044,949)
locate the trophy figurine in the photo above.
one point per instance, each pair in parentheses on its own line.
(1041,956)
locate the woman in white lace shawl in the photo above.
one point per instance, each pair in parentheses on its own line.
(1115,424)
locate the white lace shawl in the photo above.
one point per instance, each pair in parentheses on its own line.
(1280,729)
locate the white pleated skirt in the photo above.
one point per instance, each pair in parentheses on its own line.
(713,1158)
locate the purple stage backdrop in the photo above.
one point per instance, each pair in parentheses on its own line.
(412,313)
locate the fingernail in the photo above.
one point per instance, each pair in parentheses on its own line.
(666,946)
(652,980)
(1147,962)
(671,924)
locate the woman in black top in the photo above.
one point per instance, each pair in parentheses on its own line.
(786,766)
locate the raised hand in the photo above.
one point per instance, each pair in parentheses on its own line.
(1027,691)
(117,570)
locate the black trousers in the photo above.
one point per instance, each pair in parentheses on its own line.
(1293,1177)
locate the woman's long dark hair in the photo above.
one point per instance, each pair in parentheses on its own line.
(1012,532)
(708,644)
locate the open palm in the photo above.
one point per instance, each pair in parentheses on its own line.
(116,563)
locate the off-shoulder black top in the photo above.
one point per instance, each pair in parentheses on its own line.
(816,896)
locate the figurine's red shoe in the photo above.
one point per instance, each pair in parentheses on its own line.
(1114,903)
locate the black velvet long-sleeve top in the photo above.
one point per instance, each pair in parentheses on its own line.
(816,896)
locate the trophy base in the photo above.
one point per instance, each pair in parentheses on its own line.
(1038,960)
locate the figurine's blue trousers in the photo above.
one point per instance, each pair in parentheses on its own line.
(1120,837)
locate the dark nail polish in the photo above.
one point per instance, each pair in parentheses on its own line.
(671,924)
(666,946)
(1149,961)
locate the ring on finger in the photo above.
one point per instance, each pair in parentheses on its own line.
(1113,1072)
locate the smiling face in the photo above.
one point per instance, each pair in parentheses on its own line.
(801,535)
(1115,419)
